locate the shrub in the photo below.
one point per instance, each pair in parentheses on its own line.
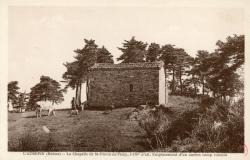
(50,144)
(219,129)
(111,144)
(26,143)
(206,101)
(182,125)
(164,125)
(216,126)
(155,122)
(29,142)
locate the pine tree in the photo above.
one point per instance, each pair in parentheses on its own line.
(133,51)
(167,55)
(104,56)
(77,71)
(223,78)
(46,90)
(176,60)
(13,92)
(183,63)
(202,67)
(153,52)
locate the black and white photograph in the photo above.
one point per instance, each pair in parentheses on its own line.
(117,78)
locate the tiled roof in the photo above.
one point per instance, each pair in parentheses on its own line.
(144,65)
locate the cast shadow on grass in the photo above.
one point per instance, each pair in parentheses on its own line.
(34,116)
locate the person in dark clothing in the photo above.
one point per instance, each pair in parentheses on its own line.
(73,103)
(74,110)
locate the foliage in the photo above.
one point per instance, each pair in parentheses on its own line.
(26,143)
(104,56)
(165,124)
(30,142)
(72,75)
(46,89)
(155,122)
(22,100)
(86,57)
(183,64)
(223,79)
(169,58)
(111,144)
(226,137)
(153,52)
(176,61)
(215,126)
(133,51)
(233,50)
(199,69)
(13,92)
(77,71)
(215,72)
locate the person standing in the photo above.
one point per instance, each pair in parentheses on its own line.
(73,103)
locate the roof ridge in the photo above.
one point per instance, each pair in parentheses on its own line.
(157,64)
(132,63)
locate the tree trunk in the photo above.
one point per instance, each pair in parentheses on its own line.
(76,91)
(77,95)
(173,83)
(78,99)
(203,85)
(180,80)
(195,88)
(87,90)
(80,93)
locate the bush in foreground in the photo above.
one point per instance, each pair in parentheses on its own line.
(29,142)
(215,126)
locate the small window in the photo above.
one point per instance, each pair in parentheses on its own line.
(131,87)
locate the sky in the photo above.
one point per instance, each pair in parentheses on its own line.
(41,39)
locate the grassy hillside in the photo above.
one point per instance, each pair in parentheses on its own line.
(88,131)
(183,126)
